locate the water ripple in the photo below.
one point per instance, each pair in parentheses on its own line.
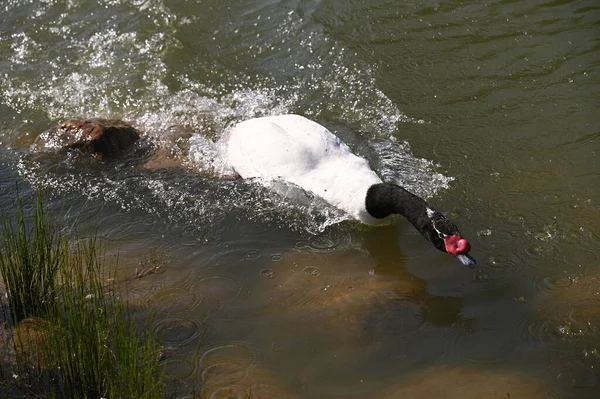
(484,346)
(223,368)
(568,310)
(177,332)
(174,300)
(230,392)
(216,291)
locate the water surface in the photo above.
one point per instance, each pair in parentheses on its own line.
(489,110)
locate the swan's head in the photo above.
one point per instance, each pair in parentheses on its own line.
(444,235)
(458,247)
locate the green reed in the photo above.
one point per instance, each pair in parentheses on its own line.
(29,262)
(72,334)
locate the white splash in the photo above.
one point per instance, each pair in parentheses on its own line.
(63,68)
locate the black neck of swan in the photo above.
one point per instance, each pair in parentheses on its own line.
(385,199)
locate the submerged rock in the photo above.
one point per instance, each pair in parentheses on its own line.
(29,338)
(162,158)
(97,137)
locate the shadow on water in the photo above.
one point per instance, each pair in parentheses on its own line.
(436,310)
(315,315)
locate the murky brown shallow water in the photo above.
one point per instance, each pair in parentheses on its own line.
(487,109)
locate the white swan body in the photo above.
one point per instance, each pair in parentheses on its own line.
(300,151)
(297,150)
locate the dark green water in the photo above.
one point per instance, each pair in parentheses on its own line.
(490,110)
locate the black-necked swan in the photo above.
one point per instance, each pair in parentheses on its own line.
(295,149)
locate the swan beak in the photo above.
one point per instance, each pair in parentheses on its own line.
(467,260)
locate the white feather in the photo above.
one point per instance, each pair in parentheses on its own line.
(300,151)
